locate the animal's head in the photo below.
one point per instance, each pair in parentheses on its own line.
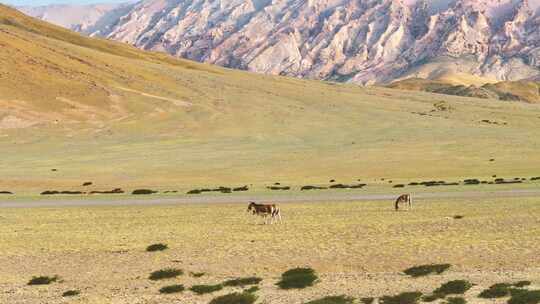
(251,207)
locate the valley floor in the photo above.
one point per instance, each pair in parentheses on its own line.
(358,249)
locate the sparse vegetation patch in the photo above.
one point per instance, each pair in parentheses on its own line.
(235,298)
(402,298)
(71,293)
(297,278)
(333,300)
(367,300)
(453,287)
(197,274)
(525,297)
(501,290)
(203,289)
(143,192)
(243,281)
(424,270)
(165,274)
(157,247)
(172,289)
(456,300)
(42,280)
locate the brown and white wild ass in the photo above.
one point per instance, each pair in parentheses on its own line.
(265,211)
(404,199)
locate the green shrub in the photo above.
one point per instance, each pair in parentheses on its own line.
(456,300)
(333,300)
(252,289)
(297,278)
(42,280)
(525,297)
(203,289)
(243,281)
(71,293)
(235,298)
(424,270)
(166,273)
(156,247)
(521,284)
(502,290)
(453,287)
(172,289)
(367,300)
(430,298)
(402,298)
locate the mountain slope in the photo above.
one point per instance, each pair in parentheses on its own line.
(101,111)
(527,91)
(367,41)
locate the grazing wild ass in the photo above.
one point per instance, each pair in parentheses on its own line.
(265,211)
(404,199)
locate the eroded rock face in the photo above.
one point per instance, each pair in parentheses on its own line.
(361,41)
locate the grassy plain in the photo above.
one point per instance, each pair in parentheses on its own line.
(358,249)
(105,112)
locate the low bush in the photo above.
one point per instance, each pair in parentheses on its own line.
(333,300)
(525,297)
(453,287)
(244,188)
(304,188)
(297,278)
(203,289)
(42,280)
(71,293)
(235,298)
(252,289)
(243,281)
(424,270)
(402,298)
(456,300)
(197,274)
(367,300)
(157,247)
(172,289)
(166,273)
(143,192)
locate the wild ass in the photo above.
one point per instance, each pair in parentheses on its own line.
(404,199)
(265,211)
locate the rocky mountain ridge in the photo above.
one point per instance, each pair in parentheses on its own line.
(359,41)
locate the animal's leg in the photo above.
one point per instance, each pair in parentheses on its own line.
(410,203)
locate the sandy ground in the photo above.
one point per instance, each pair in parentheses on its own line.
(358,249)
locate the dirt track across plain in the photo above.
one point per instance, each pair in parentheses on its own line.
(306,198)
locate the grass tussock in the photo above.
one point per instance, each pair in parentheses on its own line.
(297,278)
(172,289)
(252,289)
(157,247)
(243,281)
(525,297)
(42,280)
(71,293)
(453,287)
(235,298)
(501,290)
(455,300)
(333,300)
(402,298)
(167,273)
(367,300)
(197,274)
(204,289)
(424,270)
